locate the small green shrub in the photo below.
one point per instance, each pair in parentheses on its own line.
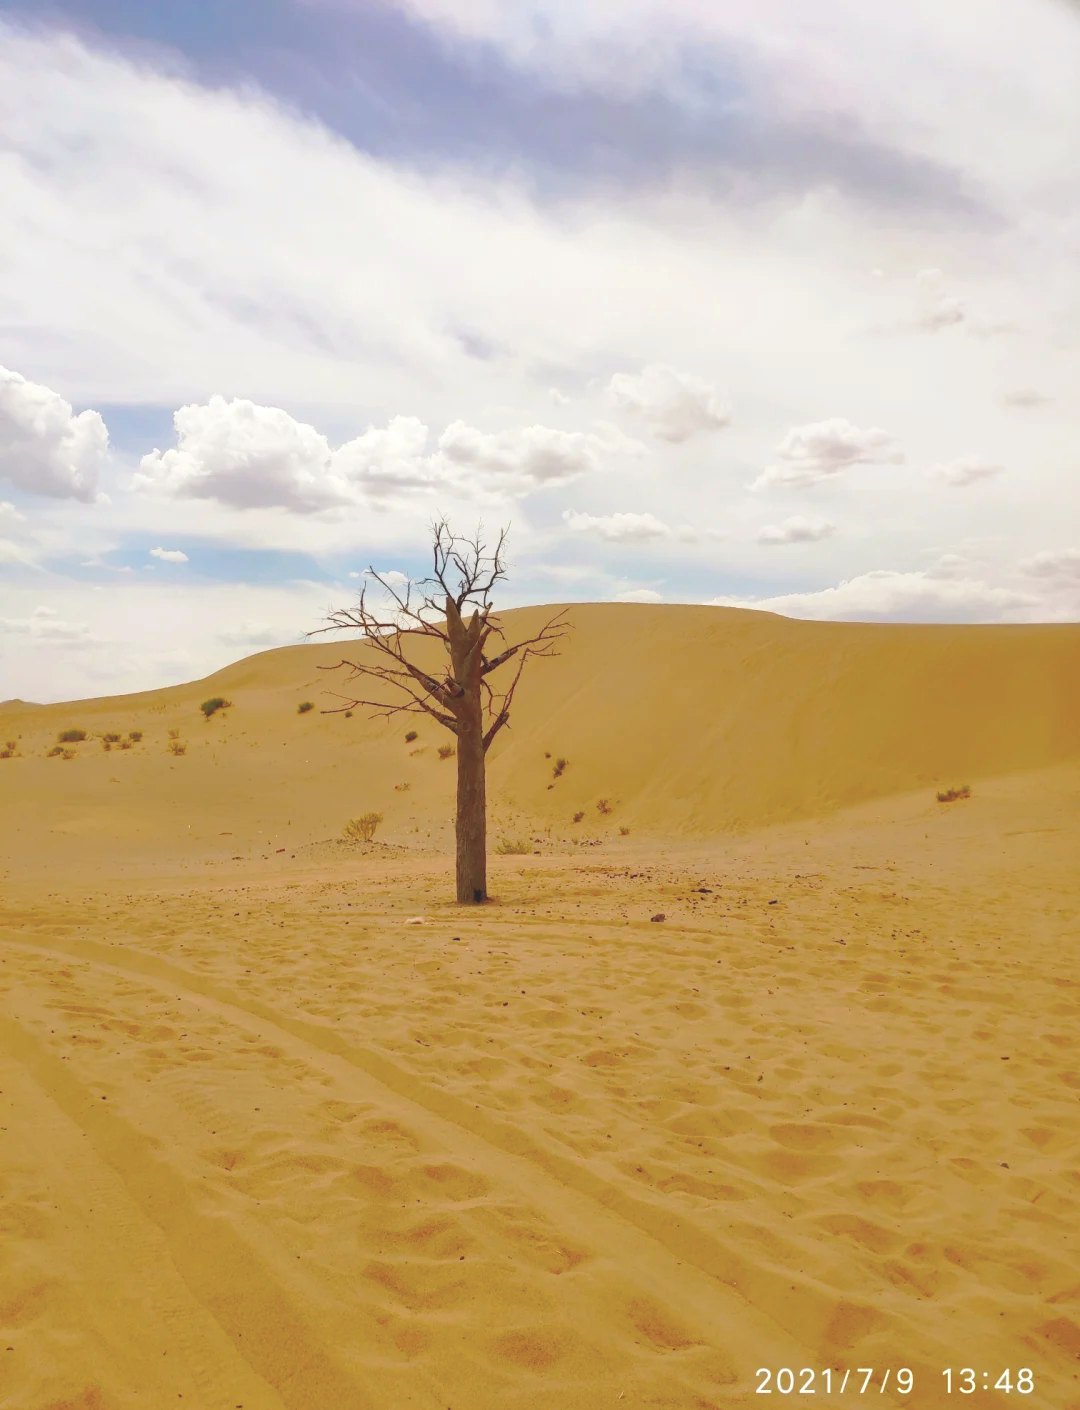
(362,829)
(446,751)
(514,847)
(215,703)
(71,736)
(135,736)
(305,706)
(950,795)
(578,817)
(412,734)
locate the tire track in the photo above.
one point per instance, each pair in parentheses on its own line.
(824,1319)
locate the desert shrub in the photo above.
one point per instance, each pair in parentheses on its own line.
(177,747)
(560,767)
(950,795)
(348,714)
(305,706)
(125,744)
(110,738)
(603,805)
(402,787)
(514,847)
(106,744)
(547,753)
(67,753)
(8,751)
(578,817)
(174,734)
(135,735)
(412,734)
(446,751)
(55,751)
(624,832)
(215,703)
(362,829)
(71,736)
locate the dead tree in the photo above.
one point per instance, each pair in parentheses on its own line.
(459,695)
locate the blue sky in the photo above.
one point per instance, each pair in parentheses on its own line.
(761,304)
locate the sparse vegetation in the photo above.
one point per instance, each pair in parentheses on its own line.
(578,817)
(348,714)
(8,751)
(55,751)
(514,847)
(624,832)
(174,734)
(446,751)
(410,736)
(135,736)
(560,767)
(547,753)
(362,829)
(71,736)
(950,795)
(111,738)
(67,754)
(215,703)
(402,787)
(305,706)
(603,805)
(176,746)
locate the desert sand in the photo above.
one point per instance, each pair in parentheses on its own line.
(281,1125)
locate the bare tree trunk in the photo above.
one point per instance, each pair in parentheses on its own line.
(471,808)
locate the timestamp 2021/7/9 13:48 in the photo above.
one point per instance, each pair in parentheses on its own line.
(865,1379)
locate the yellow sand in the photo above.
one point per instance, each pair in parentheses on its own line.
(289,1128)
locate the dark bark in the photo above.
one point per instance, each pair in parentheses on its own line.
(466,662)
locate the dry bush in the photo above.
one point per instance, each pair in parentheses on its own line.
(8,751)
(603,805)
(514,847)
(560,767)
(106,745)
(950,795)
(215,703)
(67,754)
(174,734)
(402,787)
(348,714)
(624,832)
(412,734)
(446,751)
(305,706)
(71,736)
(177,747)
(55,751)
(125,744)
(135,735)
(578,817)
(362,829)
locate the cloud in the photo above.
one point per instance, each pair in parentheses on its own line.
(1026,397)
(8,511)
(939,310)
(796,530)
(45,625)
(617,528)
(44,448)
(558,398)
(257,457)
(169,555)
(11,552)
(967,471)
(1057,569)
(887,596)
(256,634)
(638,595)
(824,450)
(674,405)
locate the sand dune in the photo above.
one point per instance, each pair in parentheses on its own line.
(290,1129)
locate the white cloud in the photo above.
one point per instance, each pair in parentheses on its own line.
(256,634)
(824,450)
(617,528)
(887,596)
(12,552)
(1057,569)
(45,625)
(8,511)
(674,405)
(169,555)
(796,530)
(969,470)
(558,398)
(256,457)
(638,595)
(44,448)
(1026,398)
(939,310)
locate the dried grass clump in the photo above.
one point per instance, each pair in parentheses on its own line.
(514,847)
(950,795)
(578,817)
(174,734)
(67,754)
(362,829)
(446,751)
(125,744)
(402,787)
(603,805)
(305,706)
(560,767)
(624,832)
(215,703)
(8,751)
(135,736)
(71,736)
(55,751)
(177,746)
(412,734)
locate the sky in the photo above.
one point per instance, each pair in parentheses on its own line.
(737,302)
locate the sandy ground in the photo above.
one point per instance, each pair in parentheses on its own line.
(290,1129)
